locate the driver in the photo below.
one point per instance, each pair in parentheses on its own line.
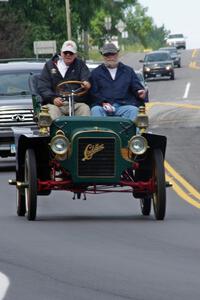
(64,67)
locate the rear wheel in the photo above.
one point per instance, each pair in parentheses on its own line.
(159,196)
(21,205)
(145,204)
(31,180)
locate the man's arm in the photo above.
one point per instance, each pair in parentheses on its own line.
(44,86)
(137,87)
(95,94)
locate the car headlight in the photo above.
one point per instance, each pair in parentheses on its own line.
(138,145)
(59,143)
(147,69)
(169,67)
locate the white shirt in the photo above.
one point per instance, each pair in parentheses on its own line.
(112,72)
(62,67)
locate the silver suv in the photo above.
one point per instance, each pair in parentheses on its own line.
(15,101)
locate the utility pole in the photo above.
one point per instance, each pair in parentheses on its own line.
(68,20)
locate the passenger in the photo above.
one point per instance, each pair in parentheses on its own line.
(116,89)
(64,67)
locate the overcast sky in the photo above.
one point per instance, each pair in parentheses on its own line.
(178,17)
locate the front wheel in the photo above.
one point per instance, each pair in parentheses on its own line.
(172,77)
(31,180)
(21,205)
(159,196)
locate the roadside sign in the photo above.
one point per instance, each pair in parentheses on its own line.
(120,26)
(44,47)
(124,34)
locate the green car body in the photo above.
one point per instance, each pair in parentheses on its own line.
(89,155)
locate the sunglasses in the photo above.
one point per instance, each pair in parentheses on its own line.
(68,52)
(109,54)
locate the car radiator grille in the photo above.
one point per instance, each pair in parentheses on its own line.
(16,117)
(96,157)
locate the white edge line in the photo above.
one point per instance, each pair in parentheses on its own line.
(4,284)
(187,88)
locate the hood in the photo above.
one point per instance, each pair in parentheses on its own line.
(158,63)
(15,101)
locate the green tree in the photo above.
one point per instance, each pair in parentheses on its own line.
(30,20)
(13,36)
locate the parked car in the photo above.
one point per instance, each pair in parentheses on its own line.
(176,40)
(144,83)
(15,101)
(157,64)
(175,55)
(88,155)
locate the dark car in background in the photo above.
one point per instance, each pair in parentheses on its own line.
(16,108)
(157,64)
(175,55)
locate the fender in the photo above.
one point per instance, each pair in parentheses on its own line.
(156,142)
(27,138)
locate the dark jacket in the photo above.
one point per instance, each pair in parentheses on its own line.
(123,89)
(51,77)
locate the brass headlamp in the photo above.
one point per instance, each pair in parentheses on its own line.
(44,120)
(142,120)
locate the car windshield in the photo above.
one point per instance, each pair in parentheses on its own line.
(14,83)
(156,57)
(170,50)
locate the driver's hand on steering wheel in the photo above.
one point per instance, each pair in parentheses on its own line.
(86,85)
(58,101)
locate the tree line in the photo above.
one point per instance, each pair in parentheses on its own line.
(24,21)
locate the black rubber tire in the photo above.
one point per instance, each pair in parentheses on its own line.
(21,204)
(159,196)
(145,204)
(30,175)
(172,77)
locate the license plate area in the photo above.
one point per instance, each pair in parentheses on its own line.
(13,148)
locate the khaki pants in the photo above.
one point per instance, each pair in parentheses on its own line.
(81,109)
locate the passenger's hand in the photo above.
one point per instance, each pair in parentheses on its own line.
(141,94)
(58,101)
(108,107)
(86,85)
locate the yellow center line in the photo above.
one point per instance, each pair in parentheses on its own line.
(194,53)
(182,181)
(182,187)
(182,194)
(184,105)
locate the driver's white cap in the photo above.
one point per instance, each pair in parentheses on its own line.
(69,46)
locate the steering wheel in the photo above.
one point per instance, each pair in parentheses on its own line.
(65,89)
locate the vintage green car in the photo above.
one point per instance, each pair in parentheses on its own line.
(88,155)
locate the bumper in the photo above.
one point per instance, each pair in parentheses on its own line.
(7,142)
(158,73)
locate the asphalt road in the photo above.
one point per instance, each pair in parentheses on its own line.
(102,248)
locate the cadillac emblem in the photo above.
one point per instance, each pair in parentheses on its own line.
(90,150)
